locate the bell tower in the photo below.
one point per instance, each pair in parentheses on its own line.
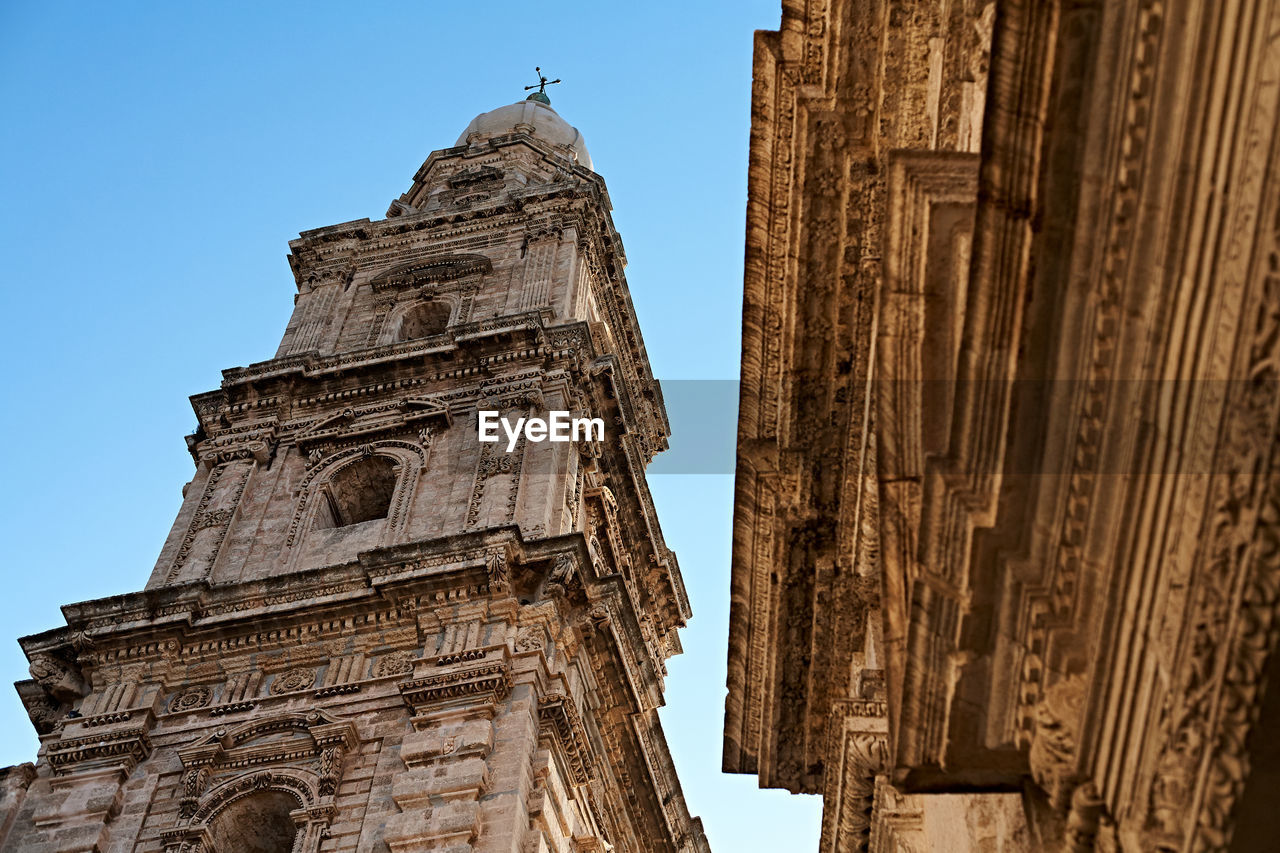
(370,630)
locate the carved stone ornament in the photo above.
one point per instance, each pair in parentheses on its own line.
(394,663)
(193,787)
(558,720)
(123,748)
(496,565)
(865,755)
(45,712)
(308,751)
(1053,748)
(191,698)
(1087,812)
(58,678)
(530,639)
(561,573)
(292,680)
(490,679)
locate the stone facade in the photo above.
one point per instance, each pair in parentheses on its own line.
(368,630)
(1007,510)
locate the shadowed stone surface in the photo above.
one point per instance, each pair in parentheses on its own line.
(1008,478)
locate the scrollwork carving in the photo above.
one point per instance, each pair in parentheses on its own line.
(1053,748)
(496,565)
(330,769)
(561,573)
(193,785)
(57,677)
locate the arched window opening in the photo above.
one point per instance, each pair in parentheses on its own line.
(359,492)
(423,320)
(259,823)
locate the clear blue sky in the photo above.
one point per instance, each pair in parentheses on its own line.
(155,160)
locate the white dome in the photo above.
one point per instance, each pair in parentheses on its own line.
(546,123)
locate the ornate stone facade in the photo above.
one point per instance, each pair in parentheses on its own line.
(1006,509)
(367,629)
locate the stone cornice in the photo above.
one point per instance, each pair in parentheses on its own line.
(532,325)
(172,617)
(812,255)
(202,622)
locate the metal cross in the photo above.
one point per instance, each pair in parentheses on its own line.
(543,82)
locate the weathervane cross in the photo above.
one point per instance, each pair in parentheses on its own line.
(542,83)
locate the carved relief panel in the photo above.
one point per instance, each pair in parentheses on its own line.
(211,520)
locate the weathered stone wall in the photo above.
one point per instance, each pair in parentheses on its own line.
(847,97)
(463,702)
(245,521)
(1008,419)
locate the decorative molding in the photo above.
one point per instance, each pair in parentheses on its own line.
(558,721)
(491,680)
(124,748)
(217,517)
(442,268)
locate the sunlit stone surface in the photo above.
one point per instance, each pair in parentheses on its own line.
(1007,520)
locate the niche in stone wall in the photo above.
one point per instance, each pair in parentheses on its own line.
(259,823)
(423,320)
(354,500)
(359,492)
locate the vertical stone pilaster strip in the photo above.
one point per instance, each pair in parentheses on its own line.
(537,273)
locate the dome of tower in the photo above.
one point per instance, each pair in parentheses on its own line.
(535,113)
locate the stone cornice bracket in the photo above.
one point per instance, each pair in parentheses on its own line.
(121,749)
(488,680)
(399,208)
(252,441)
(864,756)
(59,677)
(560,723)
(857,752)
